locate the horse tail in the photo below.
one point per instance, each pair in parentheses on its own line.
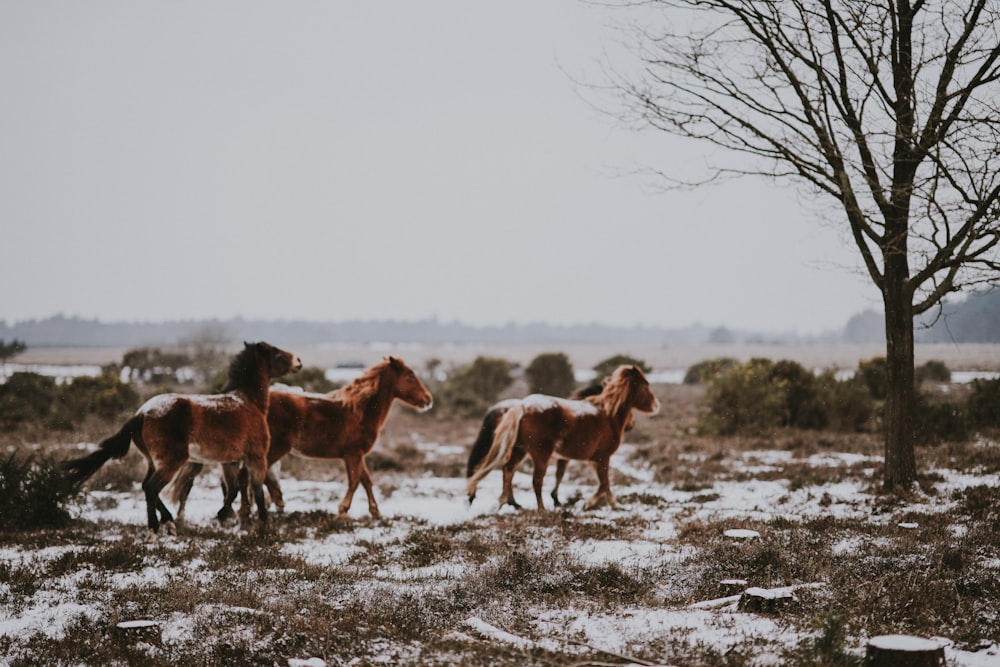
(180,485)
(113,447)
(503,442)
(485,439)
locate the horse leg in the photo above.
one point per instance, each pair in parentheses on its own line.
(540,461)
(230,487)
(187,484)
(560,471)
(517,455)
(366,482)
(246,488)
(352,463)
(273,488)
(601,467)
(256,469)
(156,480)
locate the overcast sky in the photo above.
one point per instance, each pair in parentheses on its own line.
(386,160)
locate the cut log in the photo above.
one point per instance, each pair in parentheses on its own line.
(134,632)
(903,651)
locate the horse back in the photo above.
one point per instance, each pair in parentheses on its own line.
(217,427)
(570,433)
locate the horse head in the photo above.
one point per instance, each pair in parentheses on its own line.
(278,361)
(641,393)
(628,388)
(408,387)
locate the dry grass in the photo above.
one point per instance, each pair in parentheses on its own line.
(403,589)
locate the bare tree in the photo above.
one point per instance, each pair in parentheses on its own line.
(887,107)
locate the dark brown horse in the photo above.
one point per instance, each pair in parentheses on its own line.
(484,439)
(343,424)
(171,429)
(587,430)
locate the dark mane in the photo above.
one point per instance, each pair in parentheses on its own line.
(244,369)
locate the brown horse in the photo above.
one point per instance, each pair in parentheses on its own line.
(487,432)
(171,429)
(586,430)
(343,424)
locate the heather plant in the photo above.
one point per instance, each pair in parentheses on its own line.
(33,493)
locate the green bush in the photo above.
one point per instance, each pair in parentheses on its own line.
(743,400)
(983,404)
(33,493)
(26,398)
(473,388)
(802,406)
(760,396)
(608,366)
(932,371)
(849,405)
(29,398)
(875,375)
(104,396)
(551,374)
(704,372)
(940,421)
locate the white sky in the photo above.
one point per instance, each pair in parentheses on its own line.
(326,160)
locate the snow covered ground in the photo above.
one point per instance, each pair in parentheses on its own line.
(410,501)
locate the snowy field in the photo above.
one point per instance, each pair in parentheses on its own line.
(412,503)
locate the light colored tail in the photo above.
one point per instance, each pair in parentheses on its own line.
(503,441)
(180,485)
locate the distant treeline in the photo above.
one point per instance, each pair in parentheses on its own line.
(974,320)
(62,331)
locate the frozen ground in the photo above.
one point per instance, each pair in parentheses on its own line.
(407,502)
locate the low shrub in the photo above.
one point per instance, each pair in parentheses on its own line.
(473,388)
(875,375)
(33,493)
(760,396)
(983,404)
(932,371)
(606,367)
(551,374)
(704,372)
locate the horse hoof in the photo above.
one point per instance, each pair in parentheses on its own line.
(375,513)
(169,528)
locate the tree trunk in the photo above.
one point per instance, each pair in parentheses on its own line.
(900,461)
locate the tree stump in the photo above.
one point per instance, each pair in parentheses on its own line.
(134,632)
(769,601)
(903,651)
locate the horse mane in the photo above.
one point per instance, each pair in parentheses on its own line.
(364,386)
(617,391)
(244,369)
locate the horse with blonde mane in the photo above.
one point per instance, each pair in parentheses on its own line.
(487,432)
(586,430)
(172,429)
(343,424)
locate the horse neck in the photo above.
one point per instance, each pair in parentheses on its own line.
(375,404)
(256,392)
(617,412)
